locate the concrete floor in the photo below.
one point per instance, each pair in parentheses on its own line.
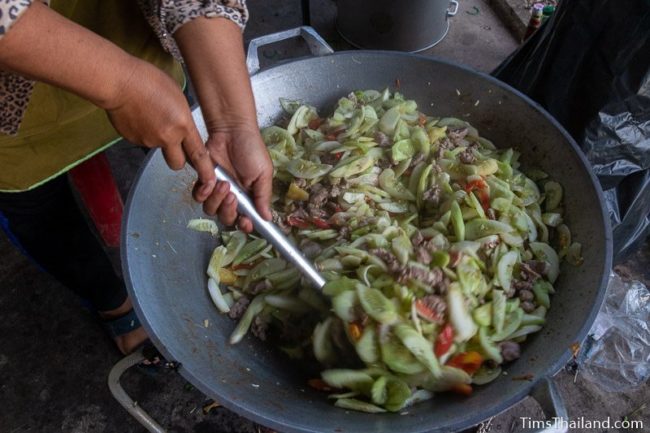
(54,357)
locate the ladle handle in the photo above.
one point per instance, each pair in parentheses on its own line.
(270,231)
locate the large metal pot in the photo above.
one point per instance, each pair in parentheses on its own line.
(164,262)
(410,26)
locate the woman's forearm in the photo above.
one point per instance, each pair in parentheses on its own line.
(214,54)
(44,46)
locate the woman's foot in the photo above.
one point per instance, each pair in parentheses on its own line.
(128,341)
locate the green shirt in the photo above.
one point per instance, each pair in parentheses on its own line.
(59,129)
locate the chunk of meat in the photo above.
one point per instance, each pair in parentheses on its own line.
(335,191)
(528,306)
(259,327)
(536,267)
(318,194)
(427,277)
(329,158)
(422,255)
(457,135)
(510,350)
(418,158)
(385,163)
(392,264)
(279,221)
(259,287)
(432,196)
(300,183)
(344,232)
(299,212)
(383,140)
(467,156)
(417,238)
(239,308)
(526,295)
(522,285)
(310,248)
(339,219)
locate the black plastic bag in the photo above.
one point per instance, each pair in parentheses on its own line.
(589,66)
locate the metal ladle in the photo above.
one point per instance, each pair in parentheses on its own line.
(270,231)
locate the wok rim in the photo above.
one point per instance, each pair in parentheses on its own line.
(489,410)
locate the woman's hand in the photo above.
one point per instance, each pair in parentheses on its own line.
(152,111)
(242,153)
(145,105)
(214,55)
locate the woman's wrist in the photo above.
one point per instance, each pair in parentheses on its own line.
(213,52)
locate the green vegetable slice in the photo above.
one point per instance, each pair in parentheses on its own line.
(217,296)
(376,305)
(419,347)
(216,261)
(544,252)
(392,186)
(553,192)
(254,308)
(322,344)
(498,309)
(343,305)
(490,350)
(346,378)
(249,250)
(398,358)
(460,318)
(367,347)
(203,225)
(457,221)
(505,267)
(478,228)
(358,405)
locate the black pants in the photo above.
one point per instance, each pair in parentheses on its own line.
(47,225)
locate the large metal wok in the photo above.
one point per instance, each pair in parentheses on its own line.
(164,262)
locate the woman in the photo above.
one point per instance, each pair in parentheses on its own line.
(76,75)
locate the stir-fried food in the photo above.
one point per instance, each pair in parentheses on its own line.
(439,252)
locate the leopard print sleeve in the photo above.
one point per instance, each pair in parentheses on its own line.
(14,89)
(167,16)
(10,11)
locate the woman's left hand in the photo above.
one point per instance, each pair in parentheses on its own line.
(242,153)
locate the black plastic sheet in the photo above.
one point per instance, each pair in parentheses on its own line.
(589,66)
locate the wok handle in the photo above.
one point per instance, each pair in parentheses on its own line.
(315,42)
(455,11)
(269,231)
(123,398)
(550,400)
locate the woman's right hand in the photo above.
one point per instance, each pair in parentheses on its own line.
(150,110)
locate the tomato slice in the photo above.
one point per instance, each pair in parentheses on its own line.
(462,389)
(319,385)
(320,223)
(427,313)
(295,221)
(480,187)
(355,331)
(444,341)
(476,184)
(467,361)
(315,123)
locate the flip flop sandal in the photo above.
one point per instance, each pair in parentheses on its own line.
(122,325)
